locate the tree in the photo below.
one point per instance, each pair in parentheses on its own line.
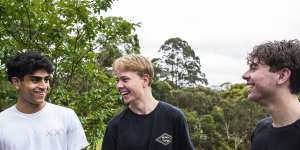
(238,116)
(161,89)
(72,33)
(214,139)
(117,40)
(218,119)
(200,99)
(179,64)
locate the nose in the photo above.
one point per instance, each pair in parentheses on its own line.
(119,84)
(246,75)
(43,84)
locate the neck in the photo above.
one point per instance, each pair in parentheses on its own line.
(144,105)
(29,108)
(284,110)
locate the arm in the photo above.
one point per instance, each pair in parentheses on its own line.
(109,141)
(75,134)
(182,138)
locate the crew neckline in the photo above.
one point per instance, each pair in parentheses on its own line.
(32,115)
(145,115)
(278,129)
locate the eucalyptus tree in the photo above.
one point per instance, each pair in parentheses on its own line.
(179,64)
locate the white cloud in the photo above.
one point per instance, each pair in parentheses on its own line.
(221,32)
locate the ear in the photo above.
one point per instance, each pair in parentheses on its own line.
(146,79)
(16,82)
(284,75)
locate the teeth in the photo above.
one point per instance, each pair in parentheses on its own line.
(124,92)
(40,92)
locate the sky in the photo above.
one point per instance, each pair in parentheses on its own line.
(221,32)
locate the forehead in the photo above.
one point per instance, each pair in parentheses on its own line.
(256,61)
(125,73)
(258,64)
(41,73)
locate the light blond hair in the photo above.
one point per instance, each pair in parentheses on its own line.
(136,63)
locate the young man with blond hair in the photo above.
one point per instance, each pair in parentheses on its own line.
(273,80)
(146,123)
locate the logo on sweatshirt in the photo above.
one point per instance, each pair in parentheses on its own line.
(164,139)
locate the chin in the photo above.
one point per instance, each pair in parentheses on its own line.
(126,101)
(39,102)
(253,98)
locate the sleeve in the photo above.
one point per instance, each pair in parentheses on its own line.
(109,140)
(75,134)
(182,138)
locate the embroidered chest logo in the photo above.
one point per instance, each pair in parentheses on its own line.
(164,139)
(54,132)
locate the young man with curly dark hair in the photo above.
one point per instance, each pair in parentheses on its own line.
(146,123)
(273,80)
(32,123)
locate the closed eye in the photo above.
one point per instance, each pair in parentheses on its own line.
(253,66)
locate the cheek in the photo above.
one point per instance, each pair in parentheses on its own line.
(25,93)
(135,87)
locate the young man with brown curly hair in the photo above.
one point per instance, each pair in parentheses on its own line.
(33,123)
(273,80)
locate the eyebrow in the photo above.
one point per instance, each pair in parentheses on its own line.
(253,64)
(39,78)
(122,77)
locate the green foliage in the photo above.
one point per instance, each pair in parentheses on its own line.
(7,94)
(240,116)
(179,64)
(82,44)
(198,99)
(214,138)
(161,89)
(218,119)
(116,40)
(73,34)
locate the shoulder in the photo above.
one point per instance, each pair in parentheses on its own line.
(65,114)
(170,110)
(7,112)
(7,117)
(59,109)
(116,119)
(263,124)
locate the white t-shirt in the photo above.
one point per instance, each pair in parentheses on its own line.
(52,128)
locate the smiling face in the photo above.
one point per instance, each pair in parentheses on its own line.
(261,82)
(32,89)
(131,86)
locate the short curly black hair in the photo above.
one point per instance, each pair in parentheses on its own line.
(279,55)
(27,63)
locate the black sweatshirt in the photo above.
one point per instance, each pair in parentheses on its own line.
(267,137)
(165,128)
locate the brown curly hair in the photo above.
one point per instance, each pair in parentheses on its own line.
(279,55)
